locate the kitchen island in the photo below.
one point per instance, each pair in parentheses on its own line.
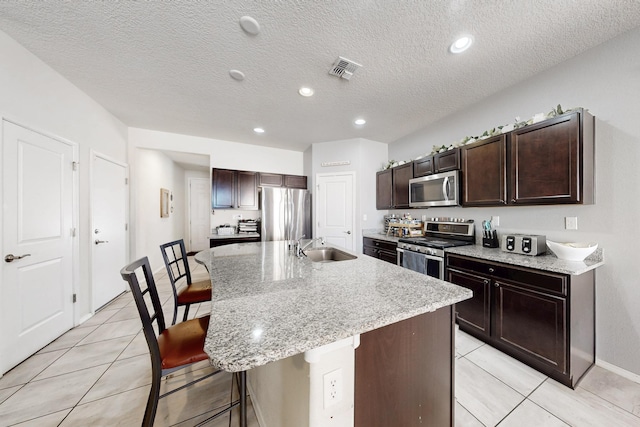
(385,331)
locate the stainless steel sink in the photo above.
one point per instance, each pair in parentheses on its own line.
(328,255)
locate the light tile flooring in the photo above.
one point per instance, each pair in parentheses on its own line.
(99,374)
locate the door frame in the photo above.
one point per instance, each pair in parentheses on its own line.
(92,156)
(75,212)
(355,205)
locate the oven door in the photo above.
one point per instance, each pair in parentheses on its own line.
(426,264)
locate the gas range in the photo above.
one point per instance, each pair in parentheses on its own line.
(440,233)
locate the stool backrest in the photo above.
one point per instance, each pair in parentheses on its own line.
(149,313)
(175,259)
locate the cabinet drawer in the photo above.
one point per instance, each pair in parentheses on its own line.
(528,278)
(380,244)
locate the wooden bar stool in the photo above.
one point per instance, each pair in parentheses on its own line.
(175,259)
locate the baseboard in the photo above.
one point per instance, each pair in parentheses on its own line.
(617,370)
(256,407)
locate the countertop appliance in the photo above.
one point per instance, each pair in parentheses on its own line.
(426,254)
(286,214)
(442,189)
(525,244)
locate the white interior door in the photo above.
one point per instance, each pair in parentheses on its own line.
(109,194)
(199,208)
(37,224)
(335,206)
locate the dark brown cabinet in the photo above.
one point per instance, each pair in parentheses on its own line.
(381,249)
(213,243)
(278,180)
(392,187)
(550,162)
(484,177)
(436,163)
(384,189)
(544,319)
(232,189)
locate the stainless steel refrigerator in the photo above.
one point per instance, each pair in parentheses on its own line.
(286,213)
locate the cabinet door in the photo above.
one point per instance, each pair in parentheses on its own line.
(368,250)
(384,189)
(388,256)
(423,167)
(295,181)
(475,312)
(271,180)
(247,190)
(545,162)
(401,176)
(223,189)
(447,161)
(484,172)
(533,323)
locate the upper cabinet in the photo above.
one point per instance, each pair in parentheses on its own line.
(440,162)
(550,162)
(231,189)
(484,178)
(392,187)
(278,180)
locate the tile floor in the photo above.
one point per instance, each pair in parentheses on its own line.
(99,374)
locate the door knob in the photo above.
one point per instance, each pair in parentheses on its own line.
(96,231)
(12,257)
(349,232)
(101,241)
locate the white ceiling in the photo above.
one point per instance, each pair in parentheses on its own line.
(164,64)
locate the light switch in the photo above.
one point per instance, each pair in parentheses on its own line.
(571,222)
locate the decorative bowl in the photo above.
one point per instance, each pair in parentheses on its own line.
(572,251)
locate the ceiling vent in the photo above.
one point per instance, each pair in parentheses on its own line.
(344,68)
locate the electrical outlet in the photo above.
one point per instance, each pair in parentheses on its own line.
(571,222)
(495,221)
(332,387)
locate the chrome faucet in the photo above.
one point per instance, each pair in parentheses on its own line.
(300,249)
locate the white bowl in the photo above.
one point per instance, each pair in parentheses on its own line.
(572,251)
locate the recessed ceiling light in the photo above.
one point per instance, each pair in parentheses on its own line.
(305,91)
(360,122)
(250,25)
(258,130)
(462,44)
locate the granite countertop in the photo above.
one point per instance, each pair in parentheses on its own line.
(234,236)
(545,262)
(268,304)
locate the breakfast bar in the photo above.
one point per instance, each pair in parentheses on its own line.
(346,318)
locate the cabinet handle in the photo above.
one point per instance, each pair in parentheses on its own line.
(486,282)
(491,270)
(497,285)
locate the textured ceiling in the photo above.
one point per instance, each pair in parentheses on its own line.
(164,65)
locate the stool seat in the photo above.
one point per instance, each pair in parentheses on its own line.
(183,344)
(195,293)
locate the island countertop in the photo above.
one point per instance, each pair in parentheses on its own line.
(268,304)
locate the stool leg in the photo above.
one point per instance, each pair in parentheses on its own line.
(243,398)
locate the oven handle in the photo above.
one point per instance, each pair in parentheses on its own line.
(399,253)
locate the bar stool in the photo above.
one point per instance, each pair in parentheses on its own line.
(175,259)
(175,347)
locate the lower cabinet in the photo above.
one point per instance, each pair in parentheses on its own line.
(544,319)
(381,249)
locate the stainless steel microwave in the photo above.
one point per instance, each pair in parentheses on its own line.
(441,189)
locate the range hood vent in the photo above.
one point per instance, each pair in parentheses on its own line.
(344,68)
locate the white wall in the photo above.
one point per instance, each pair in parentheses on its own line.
(154,170)
(36,96)
(222,154)
(604,80)
(365,157)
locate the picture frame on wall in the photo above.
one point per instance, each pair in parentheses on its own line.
(165,203)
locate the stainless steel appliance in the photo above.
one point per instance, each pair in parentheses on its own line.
(286,213)
(525,244)
(441,189)
(426,254)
